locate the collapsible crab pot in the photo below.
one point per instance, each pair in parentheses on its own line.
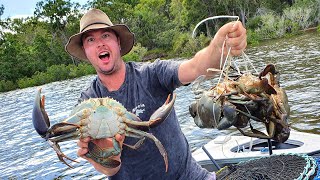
(274,167)
(318,173)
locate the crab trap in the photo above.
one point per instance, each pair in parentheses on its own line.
(274,167)
(317,177)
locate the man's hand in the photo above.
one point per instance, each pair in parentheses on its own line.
(103,143)
(231,35)
(235,36)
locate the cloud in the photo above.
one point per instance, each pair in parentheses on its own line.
(21,16)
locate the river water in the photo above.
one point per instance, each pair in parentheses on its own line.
(24,155)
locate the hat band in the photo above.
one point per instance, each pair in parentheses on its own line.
(93,24)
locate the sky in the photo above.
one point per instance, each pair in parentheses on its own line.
(23,8)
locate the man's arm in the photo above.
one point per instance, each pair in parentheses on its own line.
(209,57)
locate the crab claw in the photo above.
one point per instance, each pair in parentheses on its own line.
(204,109)
(40,118)
(101,155)
(193,109)
(269,68)
(162,113)
(230,116)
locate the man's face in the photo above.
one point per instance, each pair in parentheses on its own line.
(102,48)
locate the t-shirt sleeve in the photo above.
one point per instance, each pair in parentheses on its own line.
(166,73)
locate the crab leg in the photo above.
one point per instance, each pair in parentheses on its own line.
(60,154)
(66,132)
(69,128)
(259,134)
(157,117)
(137,144)
(156,141)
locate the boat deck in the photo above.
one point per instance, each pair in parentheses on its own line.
(225,150)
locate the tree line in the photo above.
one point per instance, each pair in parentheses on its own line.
(32,48)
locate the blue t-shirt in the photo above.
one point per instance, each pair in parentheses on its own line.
(145,89)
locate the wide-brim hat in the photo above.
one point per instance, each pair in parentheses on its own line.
(97,19)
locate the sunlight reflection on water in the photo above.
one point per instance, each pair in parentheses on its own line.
(24,155)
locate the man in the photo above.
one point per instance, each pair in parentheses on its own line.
(143,88)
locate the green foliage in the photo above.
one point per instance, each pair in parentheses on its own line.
(120,11)
(164,39)
(192,11)
(7,85)
(32,49)
(56,73)
(254,22)
(252,37)
(311,7)
(185,46)
(301,15)
(272,26)
(292,27)
(136,54)
(275,5)
(150,19)
(81,69)
(180,40)
(28,50)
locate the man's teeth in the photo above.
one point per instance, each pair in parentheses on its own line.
(104,54)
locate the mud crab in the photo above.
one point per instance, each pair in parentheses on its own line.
(234,102)
(98,118)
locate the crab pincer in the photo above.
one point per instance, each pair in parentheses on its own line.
(40,118)
(162,113)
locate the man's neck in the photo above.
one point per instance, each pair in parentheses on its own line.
(115,80)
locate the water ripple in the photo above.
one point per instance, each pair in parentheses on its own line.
(24,155)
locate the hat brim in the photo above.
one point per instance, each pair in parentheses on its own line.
(74,45)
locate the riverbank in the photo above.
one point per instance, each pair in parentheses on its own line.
(52,74)
(63,72)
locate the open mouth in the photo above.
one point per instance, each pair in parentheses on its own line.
(104,55)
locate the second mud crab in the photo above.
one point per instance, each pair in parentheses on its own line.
(234,102)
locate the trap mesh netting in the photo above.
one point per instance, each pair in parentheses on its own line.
(274,167)
(318,173)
